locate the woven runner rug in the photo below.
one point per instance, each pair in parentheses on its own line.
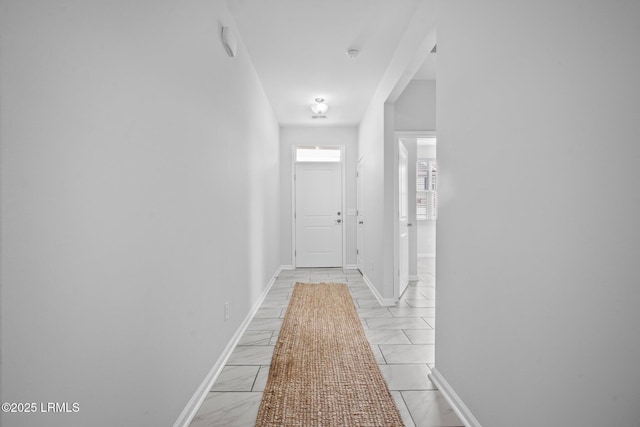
(323,372)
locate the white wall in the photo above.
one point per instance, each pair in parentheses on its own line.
(415,109)
(291,136)
(426,237)
(538,236)
(370,148)
(140,190)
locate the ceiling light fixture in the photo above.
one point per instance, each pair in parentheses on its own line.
(353,53)
(320,107)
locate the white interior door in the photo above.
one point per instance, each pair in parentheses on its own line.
(318,214)
(360,215)
(403,218)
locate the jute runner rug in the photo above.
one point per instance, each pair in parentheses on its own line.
(323,372)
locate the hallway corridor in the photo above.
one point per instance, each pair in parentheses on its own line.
(402,339)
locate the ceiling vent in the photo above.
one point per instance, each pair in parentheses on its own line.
(318,117)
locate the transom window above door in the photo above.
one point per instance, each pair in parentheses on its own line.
(317,154)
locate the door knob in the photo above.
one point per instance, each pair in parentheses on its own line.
(338,213)
(409,225)
(360,222)
(339,220)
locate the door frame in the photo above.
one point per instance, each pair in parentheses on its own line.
(397,137)
(359,215)
(342,199)
(401,249)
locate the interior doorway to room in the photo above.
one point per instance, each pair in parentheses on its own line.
(416,207)
(426,197)
(318,214)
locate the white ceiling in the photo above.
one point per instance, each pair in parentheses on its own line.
(298,48)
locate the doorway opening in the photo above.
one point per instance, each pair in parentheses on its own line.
(416,209)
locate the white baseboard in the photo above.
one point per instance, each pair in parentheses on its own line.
(383,301)
(350,267)
(453,399)
(285,267)
(190,411)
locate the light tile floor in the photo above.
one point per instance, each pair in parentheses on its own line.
(401,337)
